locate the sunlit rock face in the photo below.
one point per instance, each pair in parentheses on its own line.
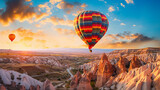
(121,65)
(105,70)
(84,83)
(127,70)
(75,80)
(146,55)
(146,77)
(12,80)
(135,63)
(47,85)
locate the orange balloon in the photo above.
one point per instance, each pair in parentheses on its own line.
(11,37)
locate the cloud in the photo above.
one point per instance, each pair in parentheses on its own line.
(129,1)
(29,39)
(70,7)
(103,1)
(123,36)
(107,14)
(115,19)
(141,38)
(111,9)
(21,11)
(58,21)
(25,39)
(127,40)
(122,5)
(46,7)
(54,1)
(129,45)
(65,31)
(134,25)
(122,24)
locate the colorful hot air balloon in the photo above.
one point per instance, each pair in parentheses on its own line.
(91,27)
(11,37)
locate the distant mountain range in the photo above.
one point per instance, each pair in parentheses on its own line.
(59,50)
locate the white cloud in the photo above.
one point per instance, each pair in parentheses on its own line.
(115,19)
(118,8)
(111,9)
(107,14)
(122,5)
(122,24)
(103,1)
(129,1)
(134,25)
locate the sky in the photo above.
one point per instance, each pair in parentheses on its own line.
(46,24)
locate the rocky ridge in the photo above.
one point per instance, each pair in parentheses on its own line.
(11,80)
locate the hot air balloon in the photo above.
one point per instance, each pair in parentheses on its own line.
(11,37)
(91,26)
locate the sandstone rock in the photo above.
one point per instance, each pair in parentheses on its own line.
(47,85)
(93,72)
(84,83)
(13,84)
(113,87)
(138,79)
(109,82)
(105,70)
(75,80)
(22,87)
(38,87)
(145,54)
(156,82)
(32,88)
(135,63)
(121,66)
(147,83)
(2,87)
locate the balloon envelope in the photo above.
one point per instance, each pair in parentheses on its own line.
(11,37)
(91,26)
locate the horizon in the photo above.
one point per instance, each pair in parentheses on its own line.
(48,24)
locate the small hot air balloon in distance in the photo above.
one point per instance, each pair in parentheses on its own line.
(11,37)
(91,26)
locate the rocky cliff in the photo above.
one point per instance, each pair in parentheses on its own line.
(146,54)
(11,80)
(105,70)
(146,77)
(132,69)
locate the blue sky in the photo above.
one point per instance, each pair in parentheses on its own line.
(133,16)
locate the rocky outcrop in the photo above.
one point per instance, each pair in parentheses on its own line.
(146,54)
(121,65)
(47,85)
(2,87)
(11,80)
(105,70)
(85,81)
(75,80)
(135,63)
(93,72)
(146,77)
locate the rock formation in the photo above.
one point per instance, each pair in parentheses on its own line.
(145,54)
(146,77)
(2,87)
(135,63)
(85,81)
(75,80)
(105,70)
(47,85)
(121,65)
(93,72)
(11,80)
